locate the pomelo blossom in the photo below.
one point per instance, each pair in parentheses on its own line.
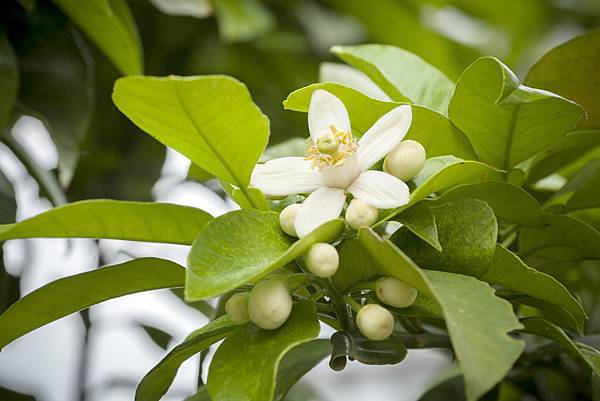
(337,163)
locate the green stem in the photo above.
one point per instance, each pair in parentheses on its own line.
(353,304)
(371,286)
(338,303)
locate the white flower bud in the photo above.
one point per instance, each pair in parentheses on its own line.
(322,260)
(375,322)
(287,219)
(269,304)
(406,160)
(394,292)
(359,214)
(237,308)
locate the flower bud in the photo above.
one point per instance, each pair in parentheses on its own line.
(375,322)
(406,160)
(359,214)
(287,219)
(269,304)
(237,308)
(394,292)
(322,260)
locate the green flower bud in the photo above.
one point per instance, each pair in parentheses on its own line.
(322,260)
(328,144)
(406,160)
(359,214)
(237,308)
(287,219)
(394,292)
(269,304)
(375,322)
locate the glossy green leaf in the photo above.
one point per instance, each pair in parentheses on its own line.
(354,346)
(198,173)
(575,238)
(242,20)
(403,76)
(433,130)
(244,367)
(110,25)
(133,221)
(586,197)
(421,222)
(243,246)
(297,362)
(74,293)
(509,202)
(63,101)
(210,119)
(476,319)
(9,80)
(467,231)
(192,8)
(158,336)
(541,327)
(563,153)
(505,121)
(571,70)
(510,272)
(156,382)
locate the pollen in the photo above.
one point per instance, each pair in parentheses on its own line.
(331,149)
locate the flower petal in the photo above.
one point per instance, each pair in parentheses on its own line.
(380,190)
(285,176)
(341,176)
(383,136)
(326,111)
(321,206)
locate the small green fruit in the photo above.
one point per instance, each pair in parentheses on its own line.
(394,292)
(237,308)
(269,304)
(406,160)
(322,260)
(359,214)
(287,219)
(375,322)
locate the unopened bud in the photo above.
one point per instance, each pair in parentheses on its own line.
(406,160)
(375,322)
(322,260)
(394,292)
(269,304)
(287,219)
(359,214)
(237,308)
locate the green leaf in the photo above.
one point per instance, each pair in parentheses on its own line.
(133,221)
(505,121)
(71,294)
(242,20)
(8,204)
(509,202)
(433,130)
(586,197)
(476,319)
(198,173)
(58,88)
(467,231)
(156,382)
(9,395)
(562,154)
(403,76)
(243,246)
(297,362)
(245,365)
(191,8)
(421,222)
(9,80)
(441,173)
(354,346)
(571,70)
(576,239)
(110,25)
(210,119)
(510,272)
(158,336)
(541,327)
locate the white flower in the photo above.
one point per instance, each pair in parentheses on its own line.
(337,163)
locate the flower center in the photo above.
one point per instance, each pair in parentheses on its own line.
(331,149)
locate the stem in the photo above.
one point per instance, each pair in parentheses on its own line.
(411,326)
(363,287)
(425,341)
(353,304)
(338,303)
(83,360)
(47,181)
